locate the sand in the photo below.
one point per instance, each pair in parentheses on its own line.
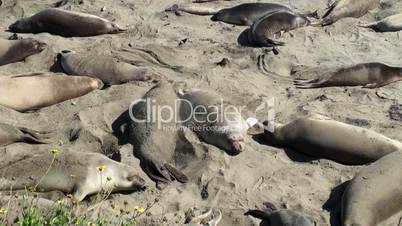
(189,48)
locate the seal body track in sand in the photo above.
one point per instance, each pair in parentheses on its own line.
(106,68)
(262,31)
(65,23)
(388,24)
(375,193)
(10,134)
(34,91)
(16,50)
(322,137)
(154,139)
(247,14)
(368,75)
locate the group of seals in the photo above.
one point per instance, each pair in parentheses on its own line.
(10,134)
(16,50)
(368,75)
(16,92)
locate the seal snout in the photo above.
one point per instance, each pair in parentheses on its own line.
(41,46)
(215,17)
(237,147)
(138,182)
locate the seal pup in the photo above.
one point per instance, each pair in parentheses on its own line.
(153,138)
(215,121)
(37,90)
(192,9)
(375,193)
(368,75)
(106,68)
(277,217)
(346,8)
(73,172)
(323,137)
(10,134)
(262,31)
(65,23)
(388,24)
(248,13)
(16,50)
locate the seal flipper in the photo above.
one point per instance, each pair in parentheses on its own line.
(258,214)
(330,9)
(177,174)
(157,172)
(34,136)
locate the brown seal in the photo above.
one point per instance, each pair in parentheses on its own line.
(65,23)
(10,134)
(368,75)
(16,50)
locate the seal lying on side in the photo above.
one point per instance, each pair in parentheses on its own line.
(213,120)
(368,75)
(10,134)
(325,138)
(248,13)
(389,24)
(347,8)
(16,50)
(29,92)
(262,31)
(277,217)
(79,173)
(375,194)
(108,69)
(65,23)
(154,140)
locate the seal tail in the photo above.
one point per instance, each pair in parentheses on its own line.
(370,25)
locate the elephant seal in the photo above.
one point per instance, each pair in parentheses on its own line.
(16,50)
(153,138)
(368,75)
(388,24)
(277,217)
(375,193)
(77,173)
(322,137)
(347,8)
(10,134)
(65,23)
(192,9)
(262,31)
(106,68)
(213,120)
(37,90)
(248,13)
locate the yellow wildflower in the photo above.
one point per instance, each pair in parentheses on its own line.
(3,211)
(73,176)
(101,168)
(55,151)
(139,209)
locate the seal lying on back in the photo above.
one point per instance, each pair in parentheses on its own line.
(154,139)
(375,194)
(368,75)
(389,24)
(217,123)
(108,69)
(248,13)
(29,92)
(277,217)
(16,50)
(79,173)
(322,137)
(10,134)
(262,31)
(347,8)
(65,23)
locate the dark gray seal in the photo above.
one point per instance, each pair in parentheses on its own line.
(65,23)
(10,134)
(16,50)
(388,24)
(368,75)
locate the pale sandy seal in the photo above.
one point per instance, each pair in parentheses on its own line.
(347,8)
(214,120)
(388,24)
(192,9)
(65,23)
(10,134)
(30,92)
(73,172)
(276,217)
(197,217)
(16,50)
(264,30)
(153,138)
(106,68)
(368,75)
(322,137)
(248,13)
(375,193)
